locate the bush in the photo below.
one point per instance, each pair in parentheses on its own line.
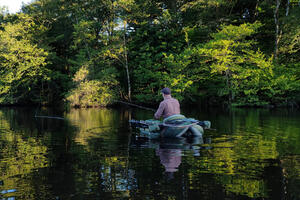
(92,93)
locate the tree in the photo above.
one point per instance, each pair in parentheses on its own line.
(231,54)
(155,30)
(290,43)
(203,49)
(22,63)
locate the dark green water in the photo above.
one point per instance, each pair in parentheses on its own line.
(93,154)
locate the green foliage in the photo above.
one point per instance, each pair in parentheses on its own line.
(285,86)
(212,51)
(151,71)
(290,43)
(246,71)
(185,73)
(156,36)
(91,93)
(22,63)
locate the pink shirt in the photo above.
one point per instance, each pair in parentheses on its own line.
(169,106)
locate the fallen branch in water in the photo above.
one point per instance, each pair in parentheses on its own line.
(138,106)
(49,117)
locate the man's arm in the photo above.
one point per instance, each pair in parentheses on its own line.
(159,111)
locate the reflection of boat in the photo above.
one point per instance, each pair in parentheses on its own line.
(169,158)
(170,150)
(168,143)
(171,127)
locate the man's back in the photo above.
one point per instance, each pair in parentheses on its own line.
(169,106)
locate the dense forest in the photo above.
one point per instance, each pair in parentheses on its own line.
(94,52)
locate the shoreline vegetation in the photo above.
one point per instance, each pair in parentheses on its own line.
(151,107)
(94,54)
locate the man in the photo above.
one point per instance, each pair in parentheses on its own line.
(169,106)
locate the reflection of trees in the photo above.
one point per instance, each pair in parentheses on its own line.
(244,159)
(291,171)
(85,159)
(238,163)
(243,163)
(33,149)
(103,165)
(96,123)
(20,158)
(87,156)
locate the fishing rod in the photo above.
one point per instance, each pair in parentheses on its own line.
(138,106)
(127,103)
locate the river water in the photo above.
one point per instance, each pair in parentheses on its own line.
(95,154)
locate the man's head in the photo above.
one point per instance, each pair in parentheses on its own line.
(166,91)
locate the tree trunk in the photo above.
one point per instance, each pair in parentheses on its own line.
(256,9)
(287,8)
(276,18)
(277,24)
(126,63)
(228,83)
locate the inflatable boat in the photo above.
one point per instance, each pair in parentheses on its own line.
(171,127)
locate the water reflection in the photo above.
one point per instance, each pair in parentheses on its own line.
(93,154)
(169,158)
(170,150)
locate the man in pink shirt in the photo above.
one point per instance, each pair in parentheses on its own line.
(169,106)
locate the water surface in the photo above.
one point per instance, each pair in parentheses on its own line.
(95,154)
